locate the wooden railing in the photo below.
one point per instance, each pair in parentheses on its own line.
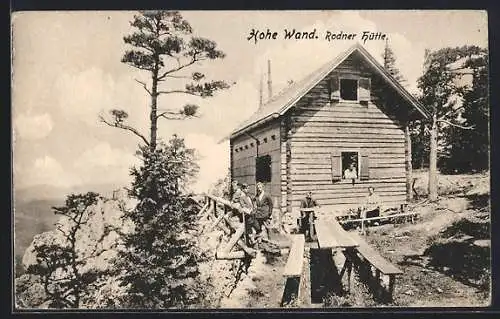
(220,211)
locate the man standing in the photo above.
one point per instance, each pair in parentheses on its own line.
(236,191)
(307,216)
(264,207)
(308,202)
(371,207)
(245,201)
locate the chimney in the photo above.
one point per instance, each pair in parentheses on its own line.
(261,93)
(269,81)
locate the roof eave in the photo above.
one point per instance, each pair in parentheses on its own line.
(256,124)
(402,91)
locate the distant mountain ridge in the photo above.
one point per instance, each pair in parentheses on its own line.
(50,192)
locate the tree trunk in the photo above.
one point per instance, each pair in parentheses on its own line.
(433,160)
(153,113)
(422,151)
(408,166)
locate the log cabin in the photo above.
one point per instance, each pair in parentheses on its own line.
(350,111)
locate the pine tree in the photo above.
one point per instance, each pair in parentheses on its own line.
(160,259)
(439,94)
(163,45)
(62,267)
(469,149)
(390,63)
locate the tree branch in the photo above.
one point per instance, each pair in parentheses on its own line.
(124,127)
(163,114)
(178,76)
(180,67)
(181,117)
(177,91)
(457,125)
(144,86)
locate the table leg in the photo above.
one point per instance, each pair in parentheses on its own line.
(348,265)
(349,272)
(392,279)
(312,235)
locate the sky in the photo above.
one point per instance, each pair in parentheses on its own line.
(67,71)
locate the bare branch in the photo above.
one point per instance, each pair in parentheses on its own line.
(178,91)
(124,127)
(179,117)
(179,76)
(457,125)
(180,67)
(163,114)
(144,86)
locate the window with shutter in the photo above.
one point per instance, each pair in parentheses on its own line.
(349,89)
(364,90)
(350,165)
(334,89)
(336,166)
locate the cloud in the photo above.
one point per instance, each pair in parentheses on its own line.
(86,94)
(45,170)
(213,160)
(103,155)
(33,127)
(105,164)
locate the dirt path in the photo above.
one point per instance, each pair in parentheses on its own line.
(408,246)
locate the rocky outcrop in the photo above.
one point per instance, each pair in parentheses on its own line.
(97,244)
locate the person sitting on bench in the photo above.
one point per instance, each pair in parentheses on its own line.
(351,173)
(236,192)
(235,198)
(371,208)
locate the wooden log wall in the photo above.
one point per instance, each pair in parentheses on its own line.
(243,154)
(320,128)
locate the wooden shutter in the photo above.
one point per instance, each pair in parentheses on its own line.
(334,88)
(364,88)
(365,167)
(336,166)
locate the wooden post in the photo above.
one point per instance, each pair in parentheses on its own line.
(229,255)
(408,165)
(234,239)
(251,252)
(433,160)
(363,225)
(217,221)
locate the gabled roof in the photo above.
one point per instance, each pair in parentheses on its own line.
(281,103)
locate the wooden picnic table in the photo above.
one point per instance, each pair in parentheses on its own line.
(332,236)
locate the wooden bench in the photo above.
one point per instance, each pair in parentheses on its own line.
(381,265)
(293,268)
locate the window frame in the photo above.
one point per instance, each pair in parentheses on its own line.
(257,179)
(358,152)
(351,78)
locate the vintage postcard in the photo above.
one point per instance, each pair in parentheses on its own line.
(250,159)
